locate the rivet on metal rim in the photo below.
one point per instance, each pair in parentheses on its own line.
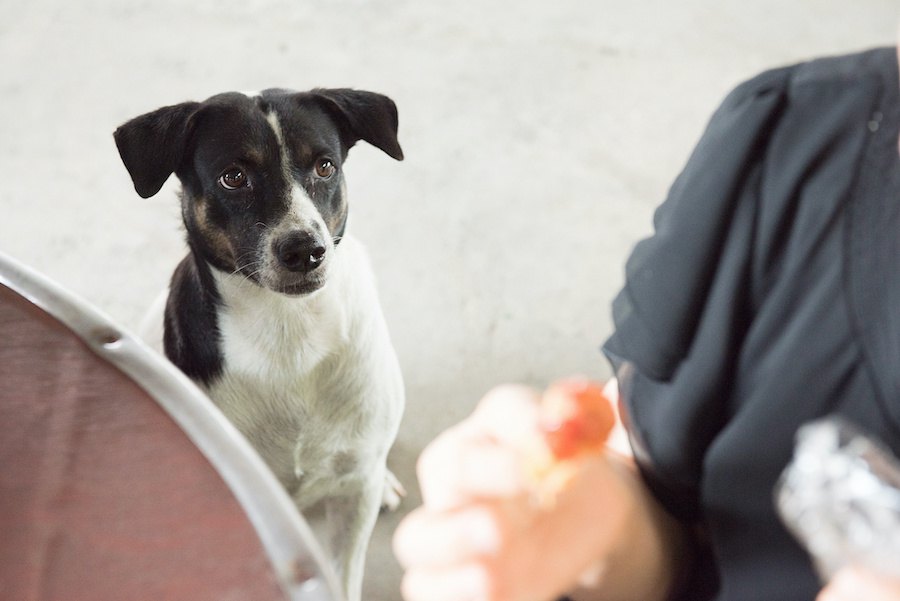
(109,339)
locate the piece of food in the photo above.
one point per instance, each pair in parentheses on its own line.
(575,419)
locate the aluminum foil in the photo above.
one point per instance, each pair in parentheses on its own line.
(840,496)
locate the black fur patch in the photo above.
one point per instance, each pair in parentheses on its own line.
(191,334)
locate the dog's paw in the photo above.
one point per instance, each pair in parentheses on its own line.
(393,492)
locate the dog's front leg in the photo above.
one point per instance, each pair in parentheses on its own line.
(394,492)
(350,520)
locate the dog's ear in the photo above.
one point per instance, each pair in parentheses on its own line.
(363,116)
(152,145)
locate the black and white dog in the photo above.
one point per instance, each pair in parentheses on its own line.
(274,310)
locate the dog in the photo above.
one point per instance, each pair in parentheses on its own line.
(274,311)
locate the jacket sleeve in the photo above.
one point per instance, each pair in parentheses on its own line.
(685,304)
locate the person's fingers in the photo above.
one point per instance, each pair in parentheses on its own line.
(460,466)
(468,582)
(507,413)
(425,538)
(481,457)
(438,470)
(526,551)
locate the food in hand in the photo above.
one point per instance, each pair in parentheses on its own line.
(575,419)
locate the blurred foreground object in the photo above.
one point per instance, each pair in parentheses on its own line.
(120,479)
(575,419)
(840,496)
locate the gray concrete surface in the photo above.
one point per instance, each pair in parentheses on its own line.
(539,137)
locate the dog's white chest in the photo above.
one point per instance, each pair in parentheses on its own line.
(272,388)
(280,340)
(311,437)
(311,383)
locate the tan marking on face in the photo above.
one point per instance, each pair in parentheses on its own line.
(255,156)
(214,237)
(334,222)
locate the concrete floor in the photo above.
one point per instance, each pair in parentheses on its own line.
(539,137)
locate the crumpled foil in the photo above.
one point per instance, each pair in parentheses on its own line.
(840,496)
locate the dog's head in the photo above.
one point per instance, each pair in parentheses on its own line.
(262,183)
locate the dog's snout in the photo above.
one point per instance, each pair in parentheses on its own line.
(299,251)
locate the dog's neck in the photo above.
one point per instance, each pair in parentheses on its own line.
(241,296)
(262,329)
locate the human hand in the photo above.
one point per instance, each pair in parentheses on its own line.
(481,535)
(853,583)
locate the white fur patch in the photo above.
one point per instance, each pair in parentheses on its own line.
(272,118)
(302,214)
(309,377)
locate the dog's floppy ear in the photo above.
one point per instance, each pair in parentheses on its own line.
(152,145)
(364,116)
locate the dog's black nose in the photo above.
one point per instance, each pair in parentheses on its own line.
(299,251)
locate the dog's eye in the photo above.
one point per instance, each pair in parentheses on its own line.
(233,179)
(325,168)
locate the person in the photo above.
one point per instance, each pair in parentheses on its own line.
(766,298)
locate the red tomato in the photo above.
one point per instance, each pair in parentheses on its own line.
(575,417)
